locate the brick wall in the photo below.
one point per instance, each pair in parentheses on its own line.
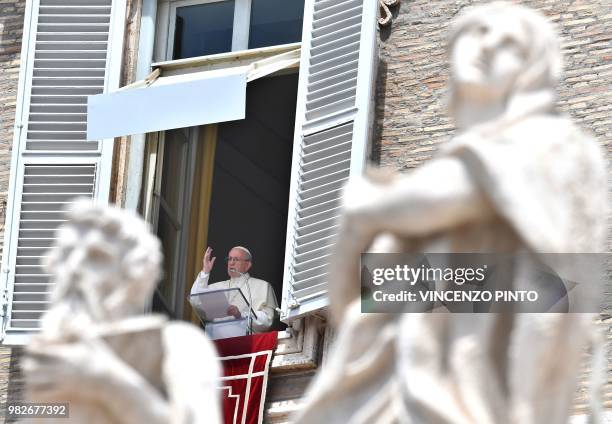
(412,86)
(411,121)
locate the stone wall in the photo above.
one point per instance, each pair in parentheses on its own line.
(411,122)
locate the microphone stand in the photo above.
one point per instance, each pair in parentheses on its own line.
(250,301)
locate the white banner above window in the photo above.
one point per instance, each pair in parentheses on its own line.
(179,101)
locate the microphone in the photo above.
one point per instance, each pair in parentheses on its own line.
(234,270)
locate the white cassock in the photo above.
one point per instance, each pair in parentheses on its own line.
(258,293)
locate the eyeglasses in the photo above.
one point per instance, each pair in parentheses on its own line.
(232,259)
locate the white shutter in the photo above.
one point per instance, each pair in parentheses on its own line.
(66,56)
(333,122)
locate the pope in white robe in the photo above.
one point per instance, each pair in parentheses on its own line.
(258,293)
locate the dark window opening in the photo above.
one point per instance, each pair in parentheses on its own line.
(250,189)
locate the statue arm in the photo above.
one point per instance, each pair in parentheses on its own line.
(435,197)
(133,399)
(90,370)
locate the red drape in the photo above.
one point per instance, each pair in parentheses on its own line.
(246,361)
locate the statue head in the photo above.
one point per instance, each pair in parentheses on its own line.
(105,266)
(498,53)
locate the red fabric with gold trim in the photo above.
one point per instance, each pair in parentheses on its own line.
(246,364)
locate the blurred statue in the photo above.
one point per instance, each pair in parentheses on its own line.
(97,351)
(518,177)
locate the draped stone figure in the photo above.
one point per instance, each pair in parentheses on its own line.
(517,178)
(96,350)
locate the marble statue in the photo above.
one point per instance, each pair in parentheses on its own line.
(517,177)
(97,351)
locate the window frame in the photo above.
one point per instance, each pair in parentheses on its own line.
(240,30)
(176,304)
(359,114)
(163,52)
(298,346)
(240,26)
(153,164)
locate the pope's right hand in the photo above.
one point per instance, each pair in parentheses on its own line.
(207,262)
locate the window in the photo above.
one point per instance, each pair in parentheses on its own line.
(332,125)
(275,22)
(189,168)
(222,185)
(205,27)
(178,150)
